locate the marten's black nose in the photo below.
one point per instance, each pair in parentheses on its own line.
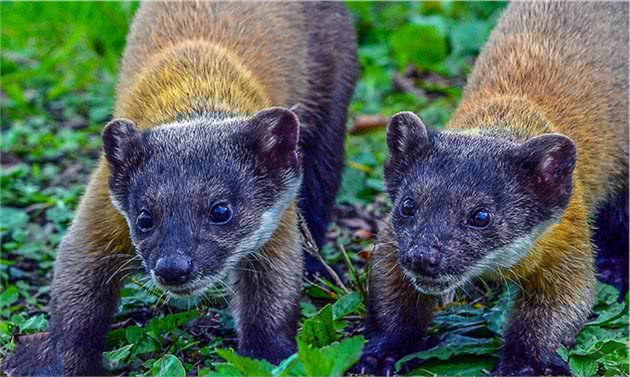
(173,270)
(424,262)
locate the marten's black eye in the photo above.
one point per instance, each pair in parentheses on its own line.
(408,207)
(144,222)
(220,213)
(479,218)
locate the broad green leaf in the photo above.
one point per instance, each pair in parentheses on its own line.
(346,305)
(115,359)
(593,338)
(140,337)
(9,296)
(605,294)
(583,366)
(307,308)
(291,366)
(35,323)
(168,366)
(468,37)
(421,44)
(353,186)
(606,305)
(223,370)
(169,322)
(460,318)
(455,345)
(246,365)
(319,330)
(331,360)
(11,218)
(458,366)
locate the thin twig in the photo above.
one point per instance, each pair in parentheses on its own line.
(406,85)
(311,248)
(366,123)
(353,271)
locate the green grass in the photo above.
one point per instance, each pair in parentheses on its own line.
(58,71)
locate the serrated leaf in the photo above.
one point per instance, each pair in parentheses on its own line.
(115,359)
(246,365)
(583,366)
(331,360)
(168,366)
(319,330)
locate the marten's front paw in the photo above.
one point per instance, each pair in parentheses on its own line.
(379,359)
(33,357)
(273,351)
(524,366)
(378,365)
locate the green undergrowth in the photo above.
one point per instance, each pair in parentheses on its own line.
(58,69)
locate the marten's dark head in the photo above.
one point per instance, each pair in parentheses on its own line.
(201,194)
(467,202)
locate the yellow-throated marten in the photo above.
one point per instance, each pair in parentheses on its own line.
(202,177)
(538,144)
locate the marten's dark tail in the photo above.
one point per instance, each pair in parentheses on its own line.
(611,239)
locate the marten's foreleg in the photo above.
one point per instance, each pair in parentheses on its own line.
(398,315)
(92,259)
(267,293)
(552,306)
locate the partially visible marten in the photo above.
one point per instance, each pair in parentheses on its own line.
(202,178)
(537,146)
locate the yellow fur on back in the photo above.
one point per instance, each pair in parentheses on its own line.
(211,56)
(194,76)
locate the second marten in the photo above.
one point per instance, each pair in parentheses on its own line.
(203,174)
(537,146)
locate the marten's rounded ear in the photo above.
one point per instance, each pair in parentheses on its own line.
(405,130)
(548,161)
(118,137)
(278,132)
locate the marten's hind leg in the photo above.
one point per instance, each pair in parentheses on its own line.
(321,144)
(611,240)
(92,258)
(322,134)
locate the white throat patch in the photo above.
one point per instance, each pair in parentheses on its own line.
(269,221)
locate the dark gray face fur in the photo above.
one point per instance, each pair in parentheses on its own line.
(450,177)
(176,173)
